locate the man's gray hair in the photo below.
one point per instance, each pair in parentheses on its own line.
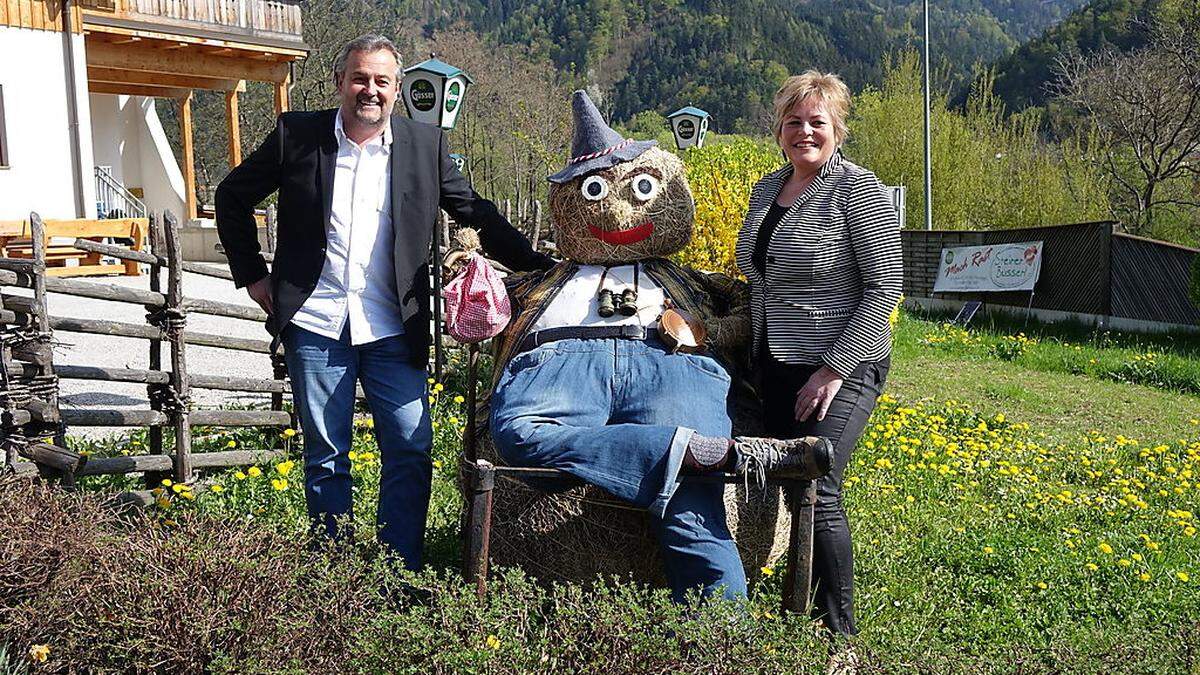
(365,43)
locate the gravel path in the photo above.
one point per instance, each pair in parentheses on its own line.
(99,350)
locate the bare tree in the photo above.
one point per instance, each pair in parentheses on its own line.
(1143,109)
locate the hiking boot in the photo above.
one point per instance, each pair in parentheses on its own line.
(797,458)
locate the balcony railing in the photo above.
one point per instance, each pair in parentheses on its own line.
(277,18)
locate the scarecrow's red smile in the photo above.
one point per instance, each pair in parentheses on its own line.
(628,236)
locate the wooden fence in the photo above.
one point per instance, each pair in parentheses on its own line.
(29,378)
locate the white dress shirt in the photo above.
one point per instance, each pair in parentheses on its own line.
(576,303)
(358,280)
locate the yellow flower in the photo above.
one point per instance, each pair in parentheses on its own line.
(163,502)
(1091,567)
(370,422)
(1182,576)
(767,570)
(459,399)
(1105,548)
(453,421)
(1124,562)
(177,488)
(279,484)
(188,495)
(437,463)
(284,467)
(1042,585)
(166,482)
(1144,576)
(288,433)
(218,488)
(231,444)
(431,380)
(988,549)
(254,472)
(39,653)
(239,475)
(438,387)
(353,455)
(493,642)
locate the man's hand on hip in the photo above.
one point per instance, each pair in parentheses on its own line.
(260,292)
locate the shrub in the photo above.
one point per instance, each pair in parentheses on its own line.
(721,176)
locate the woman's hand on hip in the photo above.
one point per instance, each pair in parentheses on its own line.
(817,393)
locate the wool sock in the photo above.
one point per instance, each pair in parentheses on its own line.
(706,454)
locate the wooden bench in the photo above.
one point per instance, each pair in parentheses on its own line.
(15,243)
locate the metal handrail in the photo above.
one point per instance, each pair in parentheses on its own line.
(113,200)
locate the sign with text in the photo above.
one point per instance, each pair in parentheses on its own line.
(996,267)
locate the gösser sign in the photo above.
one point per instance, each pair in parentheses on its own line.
(997,267)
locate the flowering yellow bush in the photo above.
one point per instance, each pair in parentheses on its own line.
(721,177)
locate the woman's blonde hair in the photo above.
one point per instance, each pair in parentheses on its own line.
(826,86)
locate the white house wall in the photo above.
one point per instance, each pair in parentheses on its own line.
(129,137)
(37,126)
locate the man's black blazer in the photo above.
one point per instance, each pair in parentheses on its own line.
(298,159)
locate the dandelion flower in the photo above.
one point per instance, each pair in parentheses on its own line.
(1105,548)
(240,475)
(288,433)
(1124,562)
(1092,567)
(1182,576)
(767,570)
(231,444)
(39,653)
(166,482)
(279,484)
(1144,576)
(1042,585)
(493,642)
(989,550)
(218,488)
(283,468)
(254,472)
(459,399)
(438,387)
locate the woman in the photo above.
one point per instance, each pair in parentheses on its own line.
(821,248)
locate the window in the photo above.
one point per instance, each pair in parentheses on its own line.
(3,135)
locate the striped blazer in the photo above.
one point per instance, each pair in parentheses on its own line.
(833,269)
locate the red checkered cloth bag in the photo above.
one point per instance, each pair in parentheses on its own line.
(477,305)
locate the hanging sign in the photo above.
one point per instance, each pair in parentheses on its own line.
(996,267)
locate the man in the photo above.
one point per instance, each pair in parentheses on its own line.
(349,293)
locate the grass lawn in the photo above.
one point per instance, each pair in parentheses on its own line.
(1020,503)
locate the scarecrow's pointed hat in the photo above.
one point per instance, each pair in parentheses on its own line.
(595,145)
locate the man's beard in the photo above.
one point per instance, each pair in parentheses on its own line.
(371,115)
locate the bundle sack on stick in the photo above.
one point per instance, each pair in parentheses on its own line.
(477,305)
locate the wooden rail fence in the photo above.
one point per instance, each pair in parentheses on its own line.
(32,425)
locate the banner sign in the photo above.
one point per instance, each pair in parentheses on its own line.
(997,267)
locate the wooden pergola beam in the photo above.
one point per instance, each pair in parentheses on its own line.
(139,77)
(232,125)
(281,95)
(183,62)
(136,90)
(189,158)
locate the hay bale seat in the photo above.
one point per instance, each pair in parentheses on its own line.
(557,528)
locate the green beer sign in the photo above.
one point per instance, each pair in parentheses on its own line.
(422,95)
(453,96)
(686,129)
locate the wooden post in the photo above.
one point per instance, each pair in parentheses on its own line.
(179,377)
(37,234)
(234,127)
(797,579)
(272,227)
(477,540)
(436,296)
(470,447)
(155,434)
(536,234)
(189,158)
(281,95)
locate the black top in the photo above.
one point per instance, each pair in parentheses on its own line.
(769,223)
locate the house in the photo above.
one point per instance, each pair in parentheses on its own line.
(80,137)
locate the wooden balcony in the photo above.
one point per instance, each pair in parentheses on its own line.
(269,23)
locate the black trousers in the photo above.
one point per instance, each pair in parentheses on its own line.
(833,557)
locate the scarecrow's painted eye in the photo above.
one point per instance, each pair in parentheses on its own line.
(594,188)
(645,186)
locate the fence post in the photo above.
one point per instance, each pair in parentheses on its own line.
(176,318)
(272,227)
(37,231)
(797,580)
(155,434)
(536,234)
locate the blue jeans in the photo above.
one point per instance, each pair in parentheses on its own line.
(619,414)
(323,373)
